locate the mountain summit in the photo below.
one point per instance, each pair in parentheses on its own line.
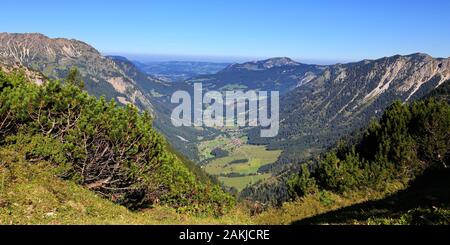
(263,64)
(54,57)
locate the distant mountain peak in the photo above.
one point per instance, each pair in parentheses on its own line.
(27,35)
(263,64)
(279,61)
(29,47)
(419,55)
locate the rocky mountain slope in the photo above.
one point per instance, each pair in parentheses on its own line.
(54,57)
(110,76)
(32,75)
(345,97)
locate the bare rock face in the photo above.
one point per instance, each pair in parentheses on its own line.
(54,57)
(34,76)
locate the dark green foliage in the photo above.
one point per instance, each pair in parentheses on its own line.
(390,146)
(74,78)
(218,152)
(302,184)
(238,161)
(39,148)
(339,175)
(431,130)
(407,140)
(112,150)
(442,92)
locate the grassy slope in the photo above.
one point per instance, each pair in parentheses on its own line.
(319,203)
(425,201)
(31,193)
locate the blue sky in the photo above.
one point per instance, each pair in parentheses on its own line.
(221,30)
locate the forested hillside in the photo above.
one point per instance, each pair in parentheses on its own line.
(407,149)
(407,139)
(406,142)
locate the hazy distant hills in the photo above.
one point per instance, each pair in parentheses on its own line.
(148,83)
(179,70)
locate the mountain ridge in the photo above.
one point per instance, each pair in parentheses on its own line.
(343,100)
(262,64)
(54,57)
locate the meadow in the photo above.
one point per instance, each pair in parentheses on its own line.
(240,167)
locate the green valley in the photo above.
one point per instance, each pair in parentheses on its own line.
(238,164)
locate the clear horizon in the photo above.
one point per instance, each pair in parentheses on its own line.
(213,59)
(322,32)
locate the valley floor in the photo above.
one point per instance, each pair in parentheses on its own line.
(239,168)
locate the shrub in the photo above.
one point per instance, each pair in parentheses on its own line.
(112,150)
(302,184)
(339,175)
(407,140)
